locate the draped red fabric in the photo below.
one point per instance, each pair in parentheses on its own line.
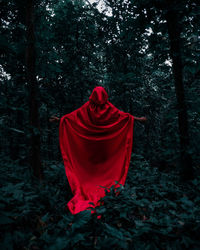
(96,144)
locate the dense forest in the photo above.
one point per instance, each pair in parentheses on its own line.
(147,55)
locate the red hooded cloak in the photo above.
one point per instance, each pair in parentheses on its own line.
(96,145)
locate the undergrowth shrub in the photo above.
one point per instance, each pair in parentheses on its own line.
(152,211)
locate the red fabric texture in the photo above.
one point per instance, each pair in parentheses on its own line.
(96,144)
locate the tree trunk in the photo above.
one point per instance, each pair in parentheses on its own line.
(34,153)
(175,51)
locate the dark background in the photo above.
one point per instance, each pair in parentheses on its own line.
(147,56)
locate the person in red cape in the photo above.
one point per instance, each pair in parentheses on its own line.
(96,144)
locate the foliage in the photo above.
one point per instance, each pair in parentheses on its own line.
(152,211)
(79,47)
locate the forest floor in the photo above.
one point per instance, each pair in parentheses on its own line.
(154,210)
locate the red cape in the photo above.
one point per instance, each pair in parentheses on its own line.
(96,145)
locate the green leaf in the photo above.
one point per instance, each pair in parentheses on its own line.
(116,233)
(17,130)
(5,220)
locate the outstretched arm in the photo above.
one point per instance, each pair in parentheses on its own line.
(140,119)
(54,119)
(57,119)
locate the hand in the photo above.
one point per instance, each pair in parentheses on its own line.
(143,119)
(54,119)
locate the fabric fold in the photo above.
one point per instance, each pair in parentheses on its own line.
(96,144)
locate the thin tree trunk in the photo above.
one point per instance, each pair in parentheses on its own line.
(34,154)
(49,137)
(175,51)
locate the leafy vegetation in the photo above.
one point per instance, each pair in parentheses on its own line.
(152,211)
